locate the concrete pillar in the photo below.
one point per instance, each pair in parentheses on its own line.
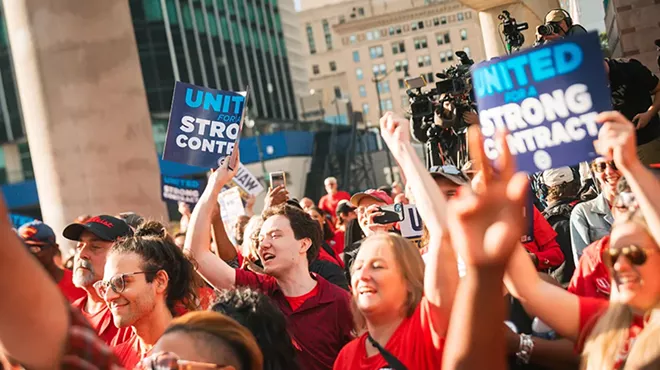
(84,107)
(530,11)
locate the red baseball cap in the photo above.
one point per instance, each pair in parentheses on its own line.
(376,195)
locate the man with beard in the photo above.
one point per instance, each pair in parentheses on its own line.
(95,237)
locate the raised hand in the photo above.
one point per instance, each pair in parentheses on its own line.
(366,217)
(486,224)
(276,196)
(395,131)
(616,139)
(223,175)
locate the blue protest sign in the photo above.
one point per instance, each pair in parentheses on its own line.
(204,125)
(19,220)
(181,190)
(547,98)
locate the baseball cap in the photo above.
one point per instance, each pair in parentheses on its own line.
(344,207)
(555,15)
(450,173)
(557,176)
(37,233)
(131,218)
(105,227)
(376,195)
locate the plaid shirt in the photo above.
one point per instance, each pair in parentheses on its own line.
(84,349)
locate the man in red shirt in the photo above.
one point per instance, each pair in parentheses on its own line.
(95,237)
(40,240)
(318,312)
(329,202)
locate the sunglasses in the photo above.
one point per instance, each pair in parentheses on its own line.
(633,253)
(117,283)
(601,166)
(171,361)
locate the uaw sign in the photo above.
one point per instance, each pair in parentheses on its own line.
(205,125)
(547,98)
(181,190)
(247,181)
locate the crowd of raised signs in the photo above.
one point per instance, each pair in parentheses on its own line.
(572,283)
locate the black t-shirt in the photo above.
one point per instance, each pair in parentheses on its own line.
(576,29)
(631,84)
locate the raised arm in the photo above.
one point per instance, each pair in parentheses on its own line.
(226,249)
(617,141)
(26,314)
(441,276)
(213,269)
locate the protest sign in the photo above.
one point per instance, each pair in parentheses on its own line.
(412,225)
(231,207)
(247,181)
(547,98)
(181,190)
(19,220)
(204,125)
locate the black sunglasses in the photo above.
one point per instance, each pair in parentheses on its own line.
(633,253)
(601,166)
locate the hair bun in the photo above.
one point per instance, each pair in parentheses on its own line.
(151,228)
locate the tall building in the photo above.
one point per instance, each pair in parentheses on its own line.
(632,27)
(589,13)
(350,43)
(226,44)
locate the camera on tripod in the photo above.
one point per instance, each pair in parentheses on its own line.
(512,31)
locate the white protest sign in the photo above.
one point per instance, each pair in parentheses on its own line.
(412,225)
(231,207)
(247,181)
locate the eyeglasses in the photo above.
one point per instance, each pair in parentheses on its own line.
(171,361)
(117,283)
(600,166)
(633,253)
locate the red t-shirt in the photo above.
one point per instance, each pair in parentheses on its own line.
(325,256)
(296,302)
(544,245)
(337,242)
(591,309)
(130,352)
(319,328)
(103,325)
(411,343)
(591,277)
(329,202)
(70,291)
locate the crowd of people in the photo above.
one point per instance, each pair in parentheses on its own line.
(572,283)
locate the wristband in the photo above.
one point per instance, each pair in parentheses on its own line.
(525,349)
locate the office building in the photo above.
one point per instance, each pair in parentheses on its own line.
(350,43)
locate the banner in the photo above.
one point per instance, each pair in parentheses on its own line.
(181,190)
(205,125)
(231,207)
(412,226)
(19,220)
(547,98)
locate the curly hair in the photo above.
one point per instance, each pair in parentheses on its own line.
(302,224)
(258,313)
(159,252)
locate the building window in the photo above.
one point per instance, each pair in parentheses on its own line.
(353,39)
(436,21)
(384,87)
(315,69)
(398,30)
(333,66)
(363,91)
(386,105)
(429,77)
(376,34)
(420,25)
(450,56)
(468,15)
(327,34)
(356,56)
(358,73)
(443,20)
(376,52)
(398,47)
(443,38)
(310,39)
(402,83)
(379,69)
(443,57)
(423,61)
(365,109)
(447,38)
(360,11)
(420,43)
(342,19)
(370,36)
(460,17)
(391,31)
(337,92)
(463,34)
(400,65)
(467,50)
(413,26)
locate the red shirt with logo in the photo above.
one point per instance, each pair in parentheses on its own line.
(591,277)
(319,327)
(70,291)
(103,325)
(544,245)
(412,344)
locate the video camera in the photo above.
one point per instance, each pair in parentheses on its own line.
(437,114)
(512,31)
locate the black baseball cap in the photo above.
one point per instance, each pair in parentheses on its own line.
(105,227)
(451,173)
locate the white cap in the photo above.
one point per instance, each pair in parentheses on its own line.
(557,176)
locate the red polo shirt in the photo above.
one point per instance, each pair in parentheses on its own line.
(319,328)
(70,291)
(591,277)
(329,202)
(103,325)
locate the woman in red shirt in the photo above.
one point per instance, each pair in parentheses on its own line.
(404,307)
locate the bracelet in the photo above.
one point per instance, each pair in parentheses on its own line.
(525,349)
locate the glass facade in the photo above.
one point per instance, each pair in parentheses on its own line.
(11,127)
